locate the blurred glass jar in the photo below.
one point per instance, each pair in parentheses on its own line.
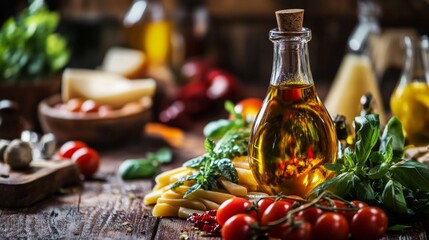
(148,28)
(410,99)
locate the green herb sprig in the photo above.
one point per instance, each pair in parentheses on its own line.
(233,139)
(375,171)
(29,46)
(145,167)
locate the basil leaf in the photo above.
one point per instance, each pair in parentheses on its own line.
(336,167)
(376,157)
(138,168)
(363,189)
(393,197)
(348,159)
(367,132)
(209,145)
(163,155)
(398,228)
(196,162)
(29,46)
(378,171)
(388,151)
(183,180)
(412,174)
(339,185)
(216,129)
(230,108)
(393,129)
(192,189)
(227,170)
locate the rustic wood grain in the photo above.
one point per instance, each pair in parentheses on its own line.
(25,187)
(109,208)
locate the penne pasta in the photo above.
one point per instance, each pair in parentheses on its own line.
(163,179)
(183,202)
(165,210)
(186,212)
(233,188)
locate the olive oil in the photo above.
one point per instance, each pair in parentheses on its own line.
(410,103)
(293,135)
(292,138)
(410,99)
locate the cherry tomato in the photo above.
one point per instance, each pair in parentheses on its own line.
(68,148)
(331,226)
(87,159)
(231,207)
(248,108)
(194,97)
(301,230)
(274,212)
(291,198)
(341,208)
(310,214)
(222,86)
(263,204)
(176,115)
(359,204)
(89,106)
(349,214)
(73,105)
(238,227)
(195,69)
(369,223)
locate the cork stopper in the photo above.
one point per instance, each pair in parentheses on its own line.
(290,20)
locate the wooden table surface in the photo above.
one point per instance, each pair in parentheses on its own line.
(110,208)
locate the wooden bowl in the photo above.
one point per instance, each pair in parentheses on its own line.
(117,127)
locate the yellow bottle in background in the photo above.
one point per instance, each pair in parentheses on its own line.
(354,78)
(148,28)
(410,99)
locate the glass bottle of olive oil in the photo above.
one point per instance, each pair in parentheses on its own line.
(148,28)
(410,99)
(293,134)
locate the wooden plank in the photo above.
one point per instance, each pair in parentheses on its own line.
(110,208)
(25,187)
(99,211)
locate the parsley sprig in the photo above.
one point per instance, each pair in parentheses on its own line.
(232,137)
(376,172)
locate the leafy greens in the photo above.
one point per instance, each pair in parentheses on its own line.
(375,171)
(29,47)
(233,138)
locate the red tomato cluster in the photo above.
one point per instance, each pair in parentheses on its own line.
(207,88)
(295,218)
(86,158)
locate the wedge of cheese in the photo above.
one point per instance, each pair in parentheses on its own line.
(104,88)
(130,63)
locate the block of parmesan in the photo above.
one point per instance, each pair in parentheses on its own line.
(104,88)
(130,63)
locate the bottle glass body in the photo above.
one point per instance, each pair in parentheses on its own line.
(410,99)
(148,28)
(356,76)
(293,134)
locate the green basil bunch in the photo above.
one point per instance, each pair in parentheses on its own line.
(375,171)
(29,46)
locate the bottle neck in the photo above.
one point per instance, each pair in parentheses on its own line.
(291,63)
(416,67)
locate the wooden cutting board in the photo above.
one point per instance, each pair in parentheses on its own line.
(43,178)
